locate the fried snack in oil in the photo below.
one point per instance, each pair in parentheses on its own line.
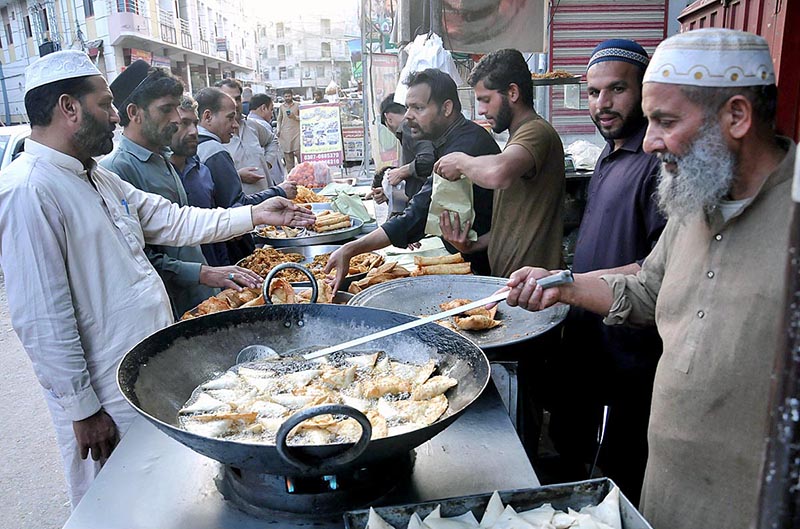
(249,402)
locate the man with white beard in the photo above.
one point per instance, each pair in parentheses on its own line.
(714,283)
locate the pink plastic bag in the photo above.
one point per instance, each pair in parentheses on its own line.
(311,174)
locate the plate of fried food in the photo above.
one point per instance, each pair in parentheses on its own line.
(307,196)
(380,274)
(429,294)
(331,226)
(315,258)
(280,292)
(441,265)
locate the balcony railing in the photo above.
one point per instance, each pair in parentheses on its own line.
(186,34)
(168,34)
(166,21)
(204,46)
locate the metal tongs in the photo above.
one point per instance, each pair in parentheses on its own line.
(560,278)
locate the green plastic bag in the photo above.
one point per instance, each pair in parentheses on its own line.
(350,205)
(455,197)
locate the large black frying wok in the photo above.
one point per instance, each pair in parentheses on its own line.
(159,374)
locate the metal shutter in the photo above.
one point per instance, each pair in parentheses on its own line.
(578,26)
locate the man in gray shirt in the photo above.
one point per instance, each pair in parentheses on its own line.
(148,100)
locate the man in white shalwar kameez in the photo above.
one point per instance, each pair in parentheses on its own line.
(81,290)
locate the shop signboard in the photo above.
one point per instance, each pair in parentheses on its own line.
(353,143)
(141,55)
(161,62)
(321,134)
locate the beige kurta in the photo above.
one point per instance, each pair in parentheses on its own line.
(715,290)
(289,127)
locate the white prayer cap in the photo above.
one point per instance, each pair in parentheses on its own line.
(57,66)
(712,57)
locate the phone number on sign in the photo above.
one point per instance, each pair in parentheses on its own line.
(331,158)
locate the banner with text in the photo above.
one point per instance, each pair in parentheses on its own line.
(321,134)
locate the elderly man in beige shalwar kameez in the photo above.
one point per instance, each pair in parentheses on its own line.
(81,290)
(714,284)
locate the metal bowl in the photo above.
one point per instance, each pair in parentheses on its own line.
(158,375)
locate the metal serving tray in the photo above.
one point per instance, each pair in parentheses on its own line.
(313,239)
(562,496)
(421,296)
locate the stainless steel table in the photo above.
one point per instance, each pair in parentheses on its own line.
(154,482)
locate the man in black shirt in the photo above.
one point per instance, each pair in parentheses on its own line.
(416,159)
(434,113)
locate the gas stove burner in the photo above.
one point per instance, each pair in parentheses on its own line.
(261,494)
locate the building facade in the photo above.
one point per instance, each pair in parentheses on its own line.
(303,51)
(201,41)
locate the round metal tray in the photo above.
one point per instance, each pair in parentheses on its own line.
(421,296)
(315,239)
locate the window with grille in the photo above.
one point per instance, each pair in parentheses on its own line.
(128,6)
(279,30)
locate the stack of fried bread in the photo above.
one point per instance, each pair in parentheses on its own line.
(306,196)
(330,220)
(479,319)
(446,264)
(385,272)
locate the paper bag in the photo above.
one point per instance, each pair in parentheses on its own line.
(455,197)
(350,205)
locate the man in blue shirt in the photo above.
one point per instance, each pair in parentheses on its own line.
(195,176)
(147,99)
(217,112)
(611,366)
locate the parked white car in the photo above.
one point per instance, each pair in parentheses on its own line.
(12,141)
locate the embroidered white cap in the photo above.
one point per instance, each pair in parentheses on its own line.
(712,57)
(57,66)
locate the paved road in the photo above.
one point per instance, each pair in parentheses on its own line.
(33,489)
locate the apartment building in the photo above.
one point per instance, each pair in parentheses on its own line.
(304,50)
(201,41)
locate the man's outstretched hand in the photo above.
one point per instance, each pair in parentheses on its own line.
(279,211)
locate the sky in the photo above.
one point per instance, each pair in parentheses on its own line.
(322,6)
